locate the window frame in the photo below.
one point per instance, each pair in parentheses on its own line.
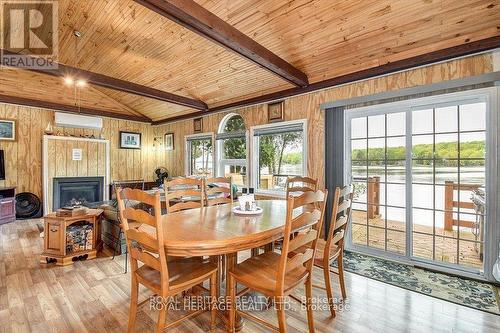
(490,95)
(254,152)
(219,150)
(187,151)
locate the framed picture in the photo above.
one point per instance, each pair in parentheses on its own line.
(275,112)
(169,141)
(198,125)
(7,129)
(130,140)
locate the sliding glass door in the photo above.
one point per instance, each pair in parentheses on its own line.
(379,174)
(419,171)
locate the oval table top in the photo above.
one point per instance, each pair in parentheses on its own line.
(217,230)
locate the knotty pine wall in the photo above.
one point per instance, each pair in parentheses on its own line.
(308,106)
(23,157)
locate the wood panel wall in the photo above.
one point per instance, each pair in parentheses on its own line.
(60,162)
(23,157)
(308,106)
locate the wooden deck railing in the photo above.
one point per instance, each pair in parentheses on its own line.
(449,204)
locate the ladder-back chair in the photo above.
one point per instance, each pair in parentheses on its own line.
(184,193)
(333,248)
(146,247)
(220,193)
(277,275)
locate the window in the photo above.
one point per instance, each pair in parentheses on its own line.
(199,155)
(232,149)
(279,151)
(421,171)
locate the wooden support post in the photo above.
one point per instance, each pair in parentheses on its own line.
(376,195)
(369,198)
(373,197)
(448,205)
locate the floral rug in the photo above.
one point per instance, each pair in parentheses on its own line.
(477,295)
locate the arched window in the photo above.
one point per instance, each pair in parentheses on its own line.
(232,149)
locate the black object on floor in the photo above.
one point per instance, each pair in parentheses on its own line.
(28,206)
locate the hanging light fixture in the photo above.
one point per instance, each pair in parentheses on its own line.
(76,82)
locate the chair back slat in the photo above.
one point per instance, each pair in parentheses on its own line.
(341,213)
(132,214)
(303,212)
(183,206)
(299,259)
(133,183)
(184,193)
(338,236)
(341,221)
(302,239)
(145,243)
(345,205)
(220,194)
(146,258)
(299,185)
(142,239)
(306,219)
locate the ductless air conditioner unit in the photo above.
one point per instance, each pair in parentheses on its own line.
(77,121)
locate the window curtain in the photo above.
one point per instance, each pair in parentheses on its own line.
(334,156)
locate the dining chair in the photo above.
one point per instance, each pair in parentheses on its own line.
(164,278)
(184,193)
(111,212)
(297,185)
(333,248)
(277,275)
(218,191)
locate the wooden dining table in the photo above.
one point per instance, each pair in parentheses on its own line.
(216,230)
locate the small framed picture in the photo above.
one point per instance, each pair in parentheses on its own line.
(169,141)
(7,129)
(198,125)
(275,112)
(130,140)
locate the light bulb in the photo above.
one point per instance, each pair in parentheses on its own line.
(81,83)
(68,80)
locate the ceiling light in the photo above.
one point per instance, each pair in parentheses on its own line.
(68,80)
(81,83)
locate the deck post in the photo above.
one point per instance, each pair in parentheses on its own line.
(373,196)
(448,205)
(376,195)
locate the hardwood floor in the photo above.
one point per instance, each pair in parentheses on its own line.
(92,296)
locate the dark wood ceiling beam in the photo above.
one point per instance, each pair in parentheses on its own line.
(70,108)
(462,50)
(117,84)
(206,24)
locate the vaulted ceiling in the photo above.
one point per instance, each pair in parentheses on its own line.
(322,38)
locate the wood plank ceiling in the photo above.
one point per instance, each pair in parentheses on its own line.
(322,38)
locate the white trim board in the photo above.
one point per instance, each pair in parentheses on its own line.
(45,171)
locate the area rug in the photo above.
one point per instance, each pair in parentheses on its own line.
(473,294)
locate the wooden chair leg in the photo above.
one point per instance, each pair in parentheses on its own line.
(310,317)
(281,315)
(232,303)
(162,316)
(213,299)
(328,285)
(340,261)
(134,300)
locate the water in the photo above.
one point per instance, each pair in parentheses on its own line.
(424,194)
